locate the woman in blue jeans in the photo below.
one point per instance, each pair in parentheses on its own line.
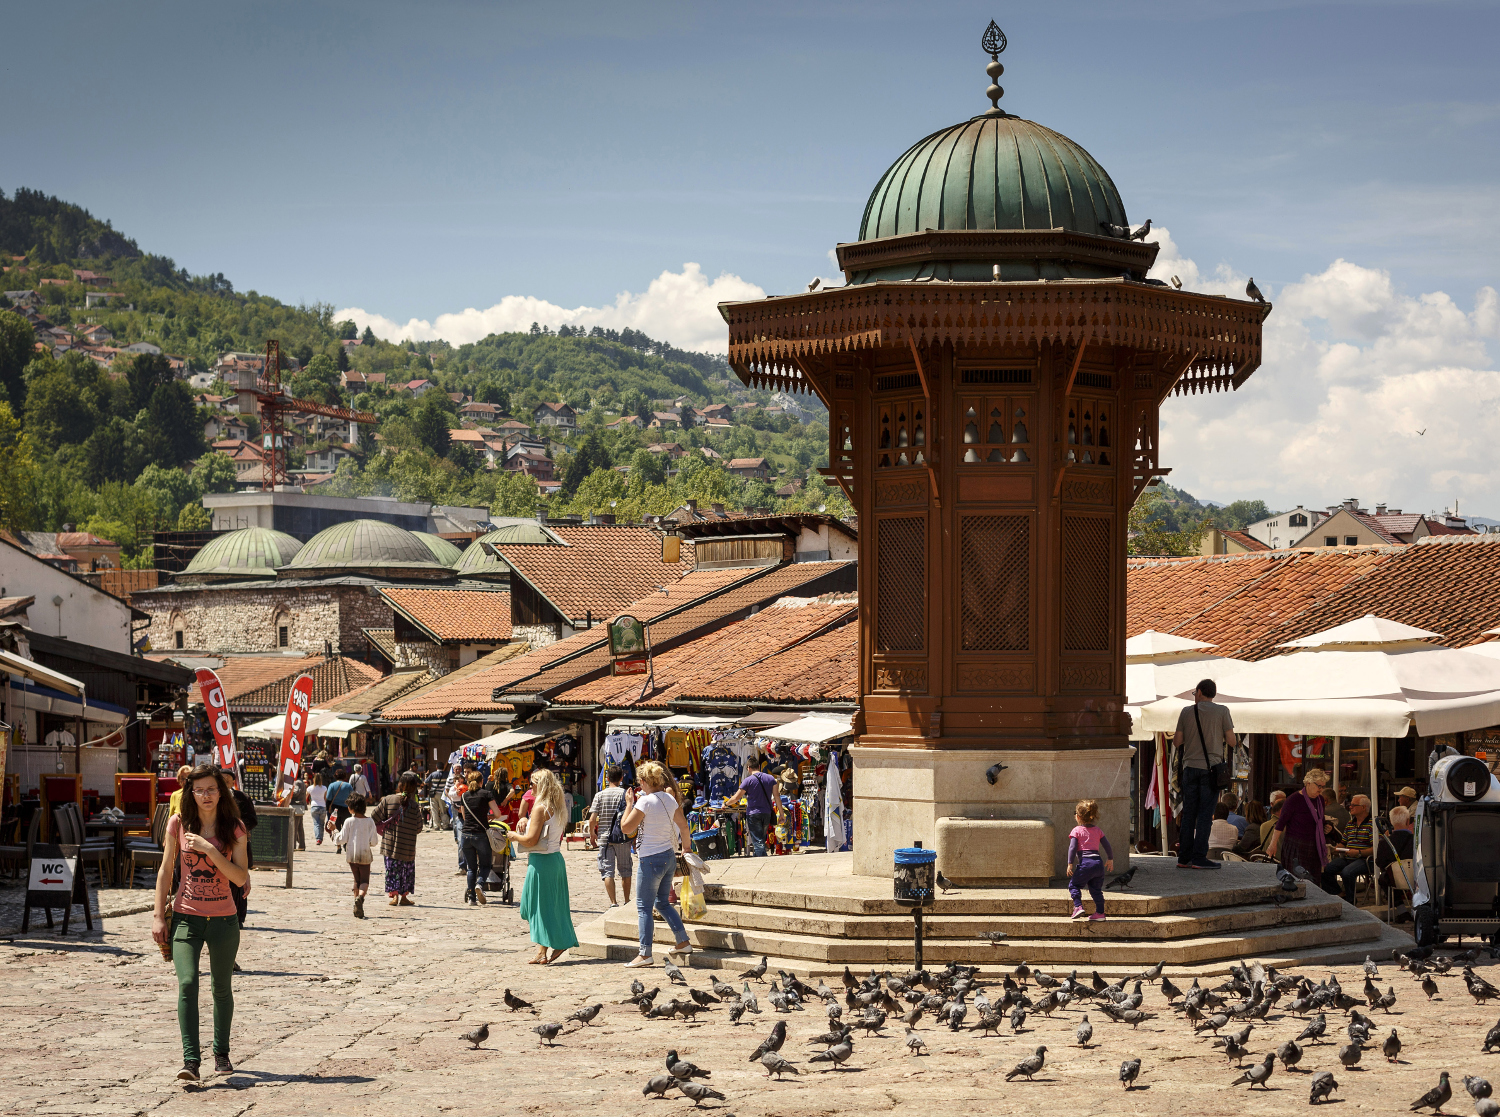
(657,818)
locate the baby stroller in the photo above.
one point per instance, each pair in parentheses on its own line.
(498,882)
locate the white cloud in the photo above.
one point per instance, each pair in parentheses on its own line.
(1353,369)
(677,307)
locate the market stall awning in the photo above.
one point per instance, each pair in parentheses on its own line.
(812,729)
(274,726)
(50,701)
(520,737)
(1372,692)
(762,718)
(12,664)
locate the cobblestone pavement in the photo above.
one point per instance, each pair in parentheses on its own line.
(337,1016)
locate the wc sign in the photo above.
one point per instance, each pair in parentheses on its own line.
(52,874)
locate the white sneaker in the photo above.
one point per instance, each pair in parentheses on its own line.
(639,963)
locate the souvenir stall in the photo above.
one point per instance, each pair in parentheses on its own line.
(558,745)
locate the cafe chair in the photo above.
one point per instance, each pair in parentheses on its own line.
(141,853)
(69,832)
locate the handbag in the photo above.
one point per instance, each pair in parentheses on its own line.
(616,836)
(392,818)
(1221,770)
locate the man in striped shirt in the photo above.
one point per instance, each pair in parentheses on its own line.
(1352,859)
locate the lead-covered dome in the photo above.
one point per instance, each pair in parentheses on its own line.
(366,547)
(993,172)
(246,553)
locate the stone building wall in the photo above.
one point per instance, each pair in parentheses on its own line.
(229,621)
(537,635)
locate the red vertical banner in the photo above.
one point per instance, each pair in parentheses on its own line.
(217,709)
(294,730)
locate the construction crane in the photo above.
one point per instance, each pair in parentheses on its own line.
(273,402)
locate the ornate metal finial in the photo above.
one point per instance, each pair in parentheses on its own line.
(994,43)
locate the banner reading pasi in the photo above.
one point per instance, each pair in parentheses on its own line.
(294,729)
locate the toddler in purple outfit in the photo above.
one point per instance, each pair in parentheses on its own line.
(1086,864)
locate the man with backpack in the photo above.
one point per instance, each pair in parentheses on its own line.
(604,830)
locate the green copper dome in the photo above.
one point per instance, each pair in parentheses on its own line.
(478,562)
(250,552)
(366,547)
(993,172)
(445,552)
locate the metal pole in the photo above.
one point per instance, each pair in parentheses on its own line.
(916,916)
(1374,822)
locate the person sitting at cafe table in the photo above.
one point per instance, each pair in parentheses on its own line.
(1396,845)
(1351,858)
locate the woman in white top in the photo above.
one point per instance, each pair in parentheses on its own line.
(544,897)
(658,820)
(317,805)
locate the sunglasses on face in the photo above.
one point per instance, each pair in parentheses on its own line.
(205,792)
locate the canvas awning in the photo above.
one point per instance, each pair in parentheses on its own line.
(1150,682)
(12,664)
(273,727)
(812,729)
(520,737)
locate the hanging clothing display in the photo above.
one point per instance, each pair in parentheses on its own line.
(833,807)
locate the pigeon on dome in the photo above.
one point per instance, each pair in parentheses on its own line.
(1151,643)
(1368,630)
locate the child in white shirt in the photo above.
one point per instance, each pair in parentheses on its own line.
(357,839)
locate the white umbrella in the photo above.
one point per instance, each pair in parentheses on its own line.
(1158,664)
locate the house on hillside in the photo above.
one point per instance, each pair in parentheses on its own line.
(480,412)
(1218,541)
(353,381)
(1284,528)
(532,463)
(664,420)
(624,421)
(757,469)
(417,388)
(558,415)
(96,335)
(23,298)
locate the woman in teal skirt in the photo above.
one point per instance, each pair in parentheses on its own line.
(544,896)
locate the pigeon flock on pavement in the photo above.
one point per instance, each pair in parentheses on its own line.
(1236,1019)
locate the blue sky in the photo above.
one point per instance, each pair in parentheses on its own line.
(415,160)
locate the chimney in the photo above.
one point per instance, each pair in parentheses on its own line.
(692,505)
(1352,503)
(718,509)
(606,518)
(1380,510)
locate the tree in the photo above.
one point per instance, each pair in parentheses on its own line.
(368,337)
(170,490)
(214,473)
(581,462)
(145,373)
(20,478)
(647,469)
(17,347)
(195,517)
(431,422)
(341,359)
(319,381)
(462,455)
(491,392)
(516,494)
(114,452)
(347,330)
(1147,532)
(59,410)
(172,430)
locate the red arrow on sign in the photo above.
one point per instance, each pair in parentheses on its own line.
(49,880)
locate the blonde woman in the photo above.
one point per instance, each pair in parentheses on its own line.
(544,897)
(1297,840)
(657,817)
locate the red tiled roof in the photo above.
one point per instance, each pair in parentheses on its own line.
(600,570)
(823,669)
(253,680)
(738,649)
(1374,524)
(1398,524)
(1248,604)
(746,463)
(331,678)
(1249,542)
(563,663)
(448,614)
(1437,527)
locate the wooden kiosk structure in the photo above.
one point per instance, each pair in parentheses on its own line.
(993,370)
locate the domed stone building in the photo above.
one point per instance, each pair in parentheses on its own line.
(258,590)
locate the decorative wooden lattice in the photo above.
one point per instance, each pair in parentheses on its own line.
(994,562)
(1086,569)
(901,584)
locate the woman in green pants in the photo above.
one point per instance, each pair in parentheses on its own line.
(206,845)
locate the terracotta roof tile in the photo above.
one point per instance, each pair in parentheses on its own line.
(565,662)
(372,697)
(255,682)
(823,669)
(1249,542)
(742,649)
(448,614)
(599,572)
(436,699)
(383,640)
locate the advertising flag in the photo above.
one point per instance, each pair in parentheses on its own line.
(294,729)
(217,710)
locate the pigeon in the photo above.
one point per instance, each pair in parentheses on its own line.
(1235,1050)
(674,975)
(749,1001)
(477,1036)
(944,883)
(850,981)
(838,1054)
(704,999)
(1315,1030)
(776,1065)
(722,991)
(1044,980)
(1429,986)
(513,1002)
(1391,1047)
(1120,231)
(1130,1070)
(736,1010)
(1477,1087)
(1047,1005)
(1134,1017)
(915,1043)
(995,938)
(1386,1000)
(1030,1065)
(1140,234)
(988,1022)
(1017,1019)
(547,1032)
(772,1042)
(1168,990)
(1371,969)
(637,987)
(1258,1074)
(1213,1023)
(688,1009)
(1121,882)
(1492,1039)
(1176,283)
(913,1016)
(757,972)
(1480,989)
(876,1020)
(641,998)
(1487,1107)
(1435,1098)
(1151,973)
(813,286)
(658,1085)
(680,1068)
(1323,1084)
(1254,292)
(586,1015)
(699,1092)
(1349,1055)
(1289,1054)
